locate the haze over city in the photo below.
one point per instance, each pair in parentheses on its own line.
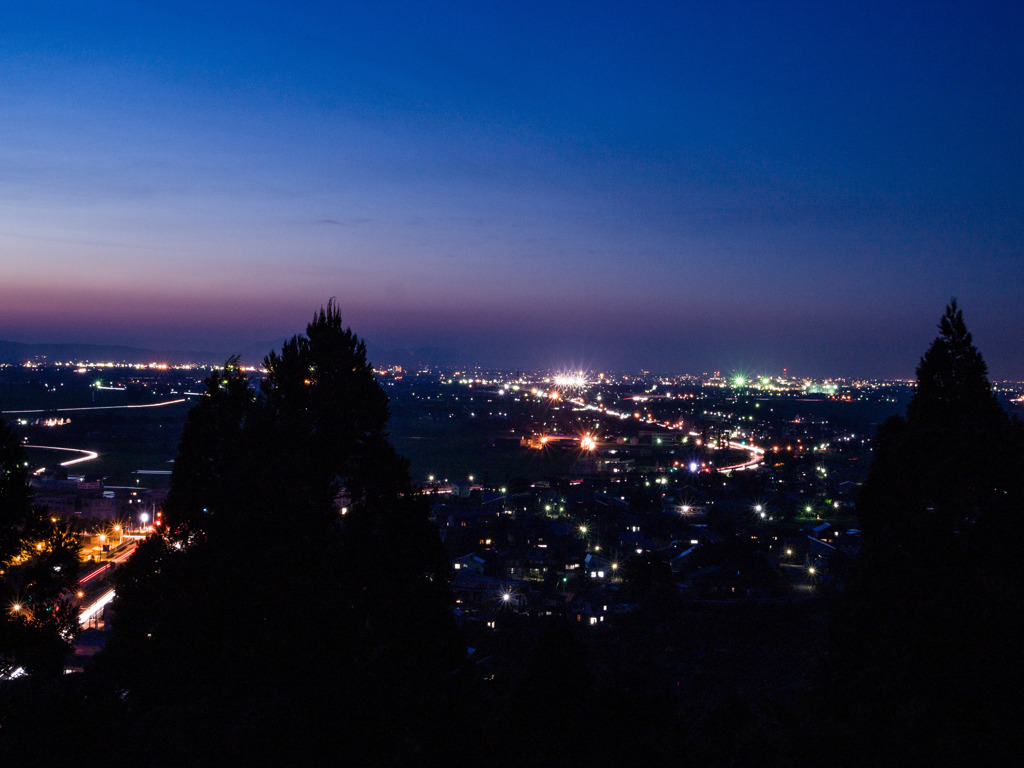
(698,187)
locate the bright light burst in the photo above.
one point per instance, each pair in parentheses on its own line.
(571,380)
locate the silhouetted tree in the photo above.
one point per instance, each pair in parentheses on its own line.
(213,473)
(931,623)
(15,506)
(38,566)
(300,599)
(950,471)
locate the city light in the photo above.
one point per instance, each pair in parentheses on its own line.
(570,380)
(94,609)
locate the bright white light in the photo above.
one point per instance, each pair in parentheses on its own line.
(86,455)
(96,607)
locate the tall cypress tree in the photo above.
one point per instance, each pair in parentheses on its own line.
(946,477)
(929,631)
(301,594)
(213,472)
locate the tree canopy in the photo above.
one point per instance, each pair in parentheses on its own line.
(930,625)
(38,566)
(300,583)
(949,475)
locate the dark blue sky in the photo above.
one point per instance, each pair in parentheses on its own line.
(607,185)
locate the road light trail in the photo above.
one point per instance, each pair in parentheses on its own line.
(103,407)
(103,568)
(756,454)
(87,455)
(94,608)
(756,457)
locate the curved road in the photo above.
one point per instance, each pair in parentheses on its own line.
(86,455)
(756,454)
(102,407)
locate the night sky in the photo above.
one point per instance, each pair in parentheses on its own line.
(673,186)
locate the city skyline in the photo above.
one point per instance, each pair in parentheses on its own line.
(748,186)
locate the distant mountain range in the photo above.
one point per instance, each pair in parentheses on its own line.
(414,356)
(378,355)
(17,353)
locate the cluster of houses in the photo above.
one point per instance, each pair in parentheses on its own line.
(578,550)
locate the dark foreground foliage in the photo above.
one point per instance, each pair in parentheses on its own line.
(925,658)
(267,628)
(38,568)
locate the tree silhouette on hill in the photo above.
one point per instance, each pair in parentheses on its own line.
(38,567)
(300,597)
(949,475)
(931,624)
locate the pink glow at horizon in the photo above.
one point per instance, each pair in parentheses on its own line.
(689,187)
